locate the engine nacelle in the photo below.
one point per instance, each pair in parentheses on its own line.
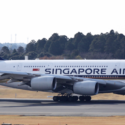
(86,88)
(43,83)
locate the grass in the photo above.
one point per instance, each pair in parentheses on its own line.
(6,92)
(45,120)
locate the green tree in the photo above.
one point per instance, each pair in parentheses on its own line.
(46,46)
(50,42)
(14,51)
(69,45)
(31,46)
(40,45)
(42,54)
(63,40)
(56,48)
(78,57)
(54,37)
(110,42)
(32,55)
(20,50)
(75,53)
(83,45)
(119,46)
(77,38)
(15,57)
(97,45)
(90,37)
(122,48)
(5,50)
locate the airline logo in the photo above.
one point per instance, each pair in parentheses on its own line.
(36,69)
(95,71)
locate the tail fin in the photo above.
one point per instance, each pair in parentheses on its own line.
(1,59)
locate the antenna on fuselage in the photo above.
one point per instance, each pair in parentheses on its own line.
(26,57)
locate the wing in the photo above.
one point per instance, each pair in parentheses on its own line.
(63,82)
(16,75)
(23,76)
(23,80)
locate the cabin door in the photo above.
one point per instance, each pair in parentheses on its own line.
(19,66)
(117,65)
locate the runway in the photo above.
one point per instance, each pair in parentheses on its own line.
(41,107)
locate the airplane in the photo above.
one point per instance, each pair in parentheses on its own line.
(83,78)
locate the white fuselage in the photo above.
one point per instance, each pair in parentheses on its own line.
(109,69)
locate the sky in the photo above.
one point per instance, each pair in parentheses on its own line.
(37,19)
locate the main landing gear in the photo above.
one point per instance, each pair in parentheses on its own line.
(72,98)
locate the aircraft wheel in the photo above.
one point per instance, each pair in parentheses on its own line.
(55,98)
(66,98)
(63,98)
(70,99)
(88,98)
(75,98)
(81,98)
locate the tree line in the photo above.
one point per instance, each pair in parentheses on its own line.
(110,45)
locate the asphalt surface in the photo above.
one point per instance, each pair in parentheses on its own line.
(34,107)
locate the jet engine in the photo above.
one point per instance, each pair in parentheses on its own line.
(43,83)
(86,88)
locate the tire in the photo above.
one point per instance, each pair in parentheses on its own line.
(75,98)
(82,98)
(70,99)
(55,98)
(62,99)
(88,99)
